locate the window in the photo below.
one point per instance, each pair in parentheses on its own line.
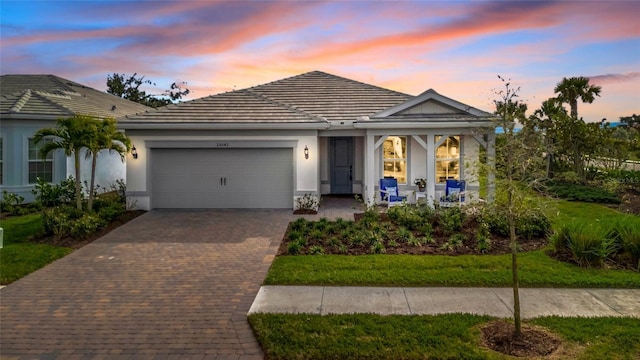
(448,159)
(395,158)
(39,167)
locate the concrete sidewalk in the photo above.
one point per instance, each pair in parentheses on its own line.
(497,302)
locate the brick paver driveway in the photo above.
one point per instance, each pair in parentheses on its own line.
(169,284)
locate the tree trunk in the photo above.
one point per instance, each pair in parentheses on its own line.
(93,177)
(574,108)
(514,271)
(76,161)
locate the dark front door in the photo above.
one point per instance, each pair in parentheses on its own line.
(341,153)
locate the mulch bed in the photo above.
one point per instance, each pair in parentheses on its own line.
(78,243)
(499,245)
(630,202)
(534,342)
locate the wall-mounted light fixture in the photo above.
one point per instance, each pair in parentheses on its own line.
(134,152)
(306,152)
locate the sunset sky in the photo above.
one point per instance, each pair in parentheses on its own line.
(455,47)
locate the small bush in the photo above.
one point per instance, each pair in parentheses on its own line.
(316,250)
(58,221)
(50,195)
(86,225)
(533,225)
(378,248)
(293,248)
(628,232)
(307,202)
(300,224)
(12,203)
(577,192)
(451,219)
(455,240)
(589,242)
(406,216)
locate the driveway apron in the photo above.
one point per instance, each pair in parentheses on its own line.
(170,283)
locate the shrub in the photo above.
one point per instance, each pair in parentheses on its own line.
(293,248)
(294,235)
(378,248)
(11,203)
(577,192)
(307,202)
(589,242)
(455,240)
(111,211)
(404,235)
(316,250)
(628,231)
(58,221)
(533,225)
(451,219)
(482,236)
(407,216)
(300,224)
(86,225)
(49,195)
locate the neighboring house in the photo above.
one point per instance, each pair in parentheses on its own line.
(314,133)
(32,102)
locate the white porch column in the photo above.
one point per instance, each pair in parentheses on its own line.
(491,162)
(369,170)
(431,168)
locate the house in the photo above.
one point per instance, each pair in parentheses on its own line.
(310,134)
(32,102)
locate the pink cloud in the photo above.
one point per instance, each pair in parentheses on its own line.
(614,78)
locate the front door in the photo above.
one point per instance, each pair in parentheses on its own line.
(341,154)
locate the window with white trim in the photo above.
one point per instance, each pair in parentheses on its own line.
(39,166)
(394,156)
(448,159)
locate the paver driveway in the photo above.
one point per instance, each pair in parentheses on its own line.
(170,283)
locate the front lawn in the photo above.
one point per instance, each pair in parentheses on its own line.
(451,336)
(536,270)
(19,257)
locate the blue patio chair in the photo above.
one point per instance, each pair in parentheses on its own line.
(389,192)
(454,194)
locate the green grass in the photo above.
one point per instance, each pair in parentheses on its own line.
(19,257)
(452,336)
(19,260)
(561,211)
(19,229)
(603,338)
(536,270)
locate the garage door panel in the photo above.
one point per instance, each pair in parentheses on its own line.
(190,178)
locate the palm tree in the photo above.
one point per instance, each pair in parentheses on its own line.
(546,120)
(71,135)
(570,89)
(107,137)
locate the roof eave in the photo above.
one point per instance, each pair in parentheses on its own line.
(221,126)
(422,124)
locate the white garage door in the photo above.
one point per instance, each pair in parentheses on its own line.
(222,178)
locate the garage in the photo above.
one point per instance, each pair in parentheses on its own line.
(222,178)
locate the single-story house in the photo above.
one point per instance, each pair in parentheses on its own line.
(32,102)
(310,134)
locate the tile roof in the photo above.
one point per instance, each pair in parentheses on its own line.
(313,97)
(331,97)
(241,106)
(45,96)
